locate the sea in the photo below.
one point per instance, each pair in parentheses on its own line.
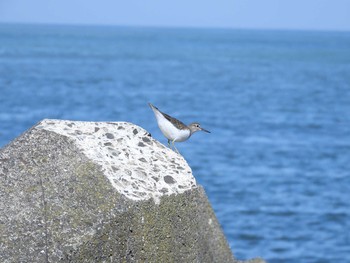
(276,165)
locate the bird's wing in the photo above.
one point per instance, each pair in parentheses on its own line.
(178,124)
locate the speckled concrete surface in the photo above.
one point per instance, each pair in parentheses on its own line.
(117,147)
(63,199)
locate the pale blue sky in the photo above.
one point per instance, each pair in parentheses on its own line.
(271,14)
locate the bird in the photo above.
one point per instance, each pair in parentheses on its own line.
(173,129)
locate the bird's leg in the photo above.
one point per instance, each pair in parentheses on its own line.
(175,147)
(169,144)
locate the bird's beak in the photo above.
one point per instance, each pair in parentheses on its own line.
(205,130)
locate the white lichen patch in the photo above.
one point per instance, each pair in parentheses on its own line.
(137,166)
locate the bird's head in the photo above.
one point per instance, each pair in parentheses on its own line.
(194,127)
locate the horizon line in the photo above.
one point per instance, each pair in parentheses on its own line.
(83,24)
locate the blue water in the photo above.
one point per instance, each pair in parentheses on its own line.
(276,166)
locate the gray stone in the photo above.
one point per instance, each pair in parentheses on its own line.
(87,192)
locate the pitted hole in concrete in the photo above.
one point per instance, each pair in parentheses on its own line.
(121,128)
(145,139)
(135,186)
(142,194)
(135,131)
(164,190)
(109,136)
(125,182)
(113,123)
(142,181)
(70,125)
(141,144)
(169,179)
(155,178)
(108,144)
(97,129)
(143,160)
(78,132)
(156,170)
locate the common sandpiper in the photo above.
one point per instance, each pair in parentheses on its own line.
(173,129)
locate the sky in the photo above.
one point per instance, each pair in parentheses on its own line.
(258,14)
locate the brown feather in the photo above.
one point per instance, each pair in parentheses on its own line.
(178,124)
